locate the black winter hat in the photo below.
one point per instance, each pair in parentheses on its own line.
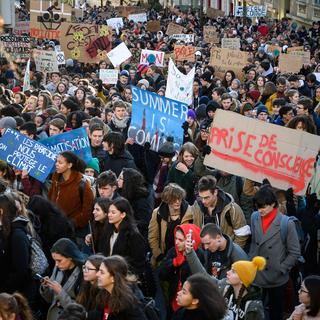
(212,106)
(69,249)
(201,112)
(207,76)
(167,150)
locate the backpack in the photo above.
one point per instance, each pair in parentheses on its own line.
(38,261)
(150,310)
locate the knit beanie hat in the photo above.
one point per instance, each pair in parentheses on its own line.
(191,114)
(94,164)
(262,109)
(167,150)
(247,270)
(254,95)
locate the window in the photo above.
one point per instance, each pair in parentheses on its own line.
(316,13)
(302,9)
(317,2)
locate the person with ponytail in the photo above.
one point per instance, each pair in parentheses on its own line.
(244,300)
(14,307)
(65,191)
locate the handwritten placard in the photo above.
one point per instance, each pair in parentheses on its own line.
(187,38)
(108,76)
(256,150)
(291,63)
(26,154)
(138,17)
(182,53)
(119,54)
(21,28)
(153,26)
(215,13)
(174,29)
(16,46)
(46,61)
(230,43)
(210,35)
(152,57)
(223,59)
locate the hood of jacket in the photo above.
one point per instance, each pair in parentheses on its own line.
(163,210)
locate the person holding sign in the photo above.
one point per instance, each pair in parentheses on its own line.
(65,191)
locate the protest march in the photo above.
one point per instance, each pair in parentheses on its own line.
(158,162)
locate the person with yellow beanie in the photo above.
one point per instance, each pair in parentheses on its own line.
(244,300)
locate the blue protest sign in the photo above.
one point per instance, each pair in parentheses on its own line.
(155,117)
(76,141)
(26,154)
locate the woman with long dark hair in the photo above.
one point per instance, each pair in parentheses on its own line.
(122,236)
(63,286)
(50,215)
(309,296)
(133,187)
(66,194)
(121,300)
(199,298)
(14,306)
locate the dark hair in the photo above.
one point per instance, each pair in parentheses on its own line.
(79,117)
(77,163)
(29,127)
(281,81)
(224,81)
(265,196)
(8,173)
(284,110)
(15,303)
(210,229)
(116,140)
(73,311)
(306,102)
(211,302)
(134,185)
(96,101)
(9,213)
(121,297)
(226,96)
(219,90)
(103,203)
(207,183)
(107,178)
(278,102)
(311,78)
(95,127)
(312,284)
(307,123)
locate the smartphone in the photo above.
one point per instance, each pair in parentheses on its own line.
(39,276)
(189,235)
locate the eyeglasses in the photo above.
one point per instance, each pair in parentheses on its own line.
(86,269)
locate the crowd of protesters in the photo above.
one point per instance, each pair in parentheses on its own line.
(139,234)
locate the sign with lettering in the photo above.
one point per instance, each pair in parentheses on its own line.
(291,63)
(223,59)
(180,86)
(174,29)
(214,13)
(153,26)
(21,28)
(46,61)
(299,48)
(182,53)
(154,118)
(119,54)
(108,76)
(26,154)
(256,150)
(115,23)
(76,140)
(230,43)
(88,43)
(187,38)
(251,11)
(152,57)
(305,55)
(18,47)
(125,11)
(210,34)
(138,17)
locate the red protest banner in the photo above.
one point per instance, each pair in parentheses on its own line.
(256,150)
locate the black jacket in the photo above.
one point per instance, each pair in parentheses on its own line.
(15,274)
(185,314)
(100,154)
(117,163)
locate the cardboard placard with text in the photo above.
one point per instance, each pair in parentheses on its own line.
(300,48)
(153,26)
(210,35)
(174,29)
(305,55)
(125,11)
(230,43)
(46,24)
(152,57)
(182,53)
(256,150)
(17,47)
(21,27)
(223,59)
(87,43)
(46,61)
(291,63)
(213,13)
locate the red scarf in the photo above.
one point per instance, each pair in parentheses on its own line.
(268,219)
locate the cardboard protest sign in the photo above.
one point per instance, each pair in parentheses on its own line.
(290,63)
(21,27)
(26,154)
(154,118)
(300,48)
(153,26)
(115,23)
(75,140)
(305,55)
(182,53)
(119,54)
(138,17)
(213,13)
(210,34)
(251,11)
(46,61)
(152,56)
(179,86)
(174,29)
(125,11)
(46,24)
(187,38)
(223,59)
(256,150)
(275,50)
(18,47)
(87,43)
(108,76)
(230,43)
